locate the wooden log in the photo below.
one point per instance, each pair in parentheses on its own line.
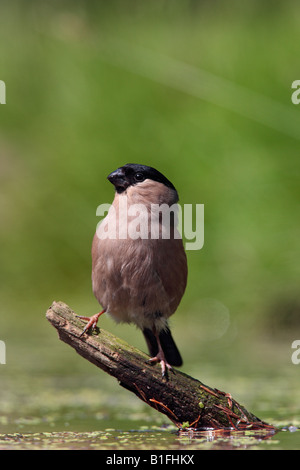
(187,402)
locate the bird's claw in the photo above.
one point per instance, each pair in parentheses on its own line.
(165,366)
(91,322)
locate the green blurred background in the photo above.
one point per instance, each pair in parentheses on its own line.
(201,90)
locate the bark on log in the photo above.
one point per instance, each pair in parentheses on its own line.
(186,401)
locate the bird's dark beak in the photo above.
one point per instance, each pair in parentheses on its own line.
(118,179)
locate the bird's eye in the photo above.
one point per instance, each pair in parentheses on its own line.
(139,177)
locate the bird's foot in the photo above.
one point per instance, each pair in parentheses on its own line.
(91,321)
(165,366)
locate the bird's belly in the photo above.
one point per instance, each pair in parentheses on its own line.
(138,282)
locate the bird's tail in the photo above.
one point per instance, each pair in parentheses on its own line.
(168,345)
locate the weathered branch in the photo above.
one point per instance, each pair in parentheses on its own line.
(185,400)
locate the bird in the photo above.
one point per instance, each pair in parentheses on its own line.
(140,279)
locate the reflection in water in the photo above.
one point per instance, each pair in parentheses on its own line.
(227,438)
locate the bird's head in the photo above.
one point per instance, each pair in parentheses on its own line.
(142,180)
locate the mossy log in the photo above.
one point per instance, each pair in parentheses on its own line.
(186,401)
